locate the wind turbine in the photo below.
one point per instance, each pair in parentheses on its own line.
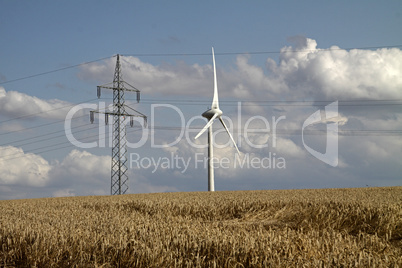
(211,115)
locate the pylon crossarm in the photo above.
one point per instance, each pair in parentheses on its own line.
(123,114)
(120,88)
(133,88)
(140,114)
(106,86)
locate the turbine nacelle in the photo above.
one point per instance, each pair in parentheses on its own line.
(211,112)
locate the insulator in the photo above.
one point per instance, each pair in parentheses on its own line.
(131,121)
(91,116)
(106,119)
(138,96)
(99,91)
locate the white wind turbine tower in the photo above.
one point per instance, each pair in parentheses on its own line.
(211,115)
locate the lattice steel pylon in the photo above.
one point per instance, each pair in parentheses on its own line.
(119,177)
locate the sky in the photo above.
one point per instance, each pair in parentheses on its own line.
(310,90)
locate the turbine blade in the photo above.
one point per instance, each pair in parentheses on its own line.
(230,135)
(215,101)
(207,125)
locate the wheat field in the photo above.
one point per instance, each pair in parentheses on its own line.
(356,227)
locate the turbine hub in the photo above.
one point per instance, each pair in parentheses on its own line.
(211,112)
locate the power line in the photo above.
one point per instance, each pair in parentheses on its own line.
(279,102)
(55,70)
(193,54)
(199,102)
(37,126)
(46,111)
(256,102)
(41,136)
(26,153)
(259,100)
(297,132)
(251,52)
(278,132)
(42,147)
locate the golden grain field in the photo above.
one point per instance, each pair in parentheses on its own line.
(359,227)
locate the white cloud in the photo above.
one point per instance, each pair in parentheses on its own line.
(84,165)
(64,193)
(336,73)
(303,72)
(165,79)
(341,120)
(83,173)
(391,121)
(252,108)
(15,104)
(286,147)
(313,74)
(77,168)
(19,168)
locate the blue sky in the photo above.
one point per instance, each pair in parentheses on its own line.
(42,36)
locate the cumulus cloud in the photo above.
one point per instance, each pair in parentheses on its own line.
(166,79)
(81,173)
(77,168)
(84,165)
(15,104)
(286,147)
(19,168)
(302,72)
(336,73)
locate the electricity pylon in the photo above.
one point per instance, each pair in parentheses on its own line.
(119,177)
